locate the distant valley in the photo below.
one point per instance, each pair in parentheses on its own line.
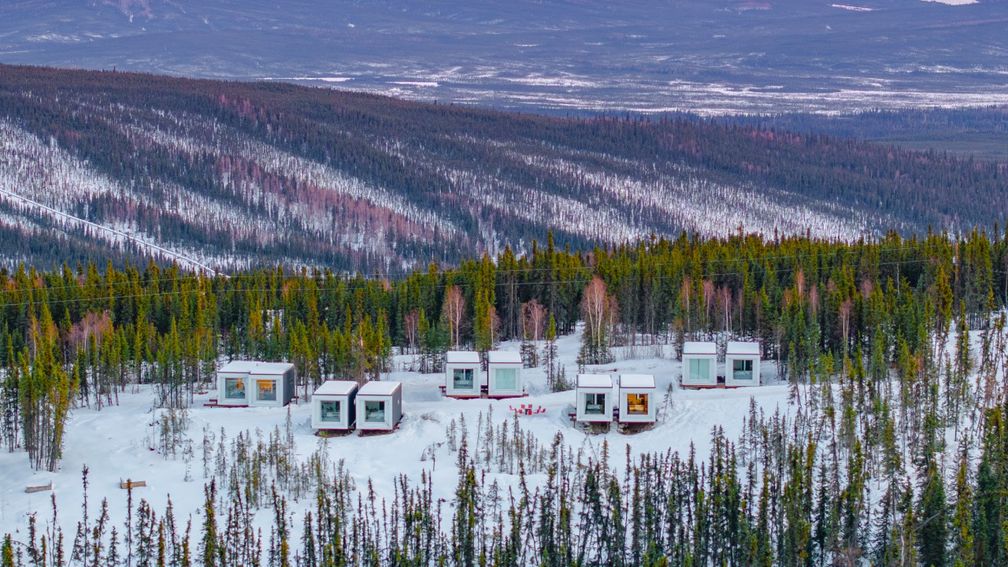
(564,56)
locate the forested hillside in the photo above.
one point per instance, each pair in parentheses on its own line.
(234,175)
(977,132)
(891,450)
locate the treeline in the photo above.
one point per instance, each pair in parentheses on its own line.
(92,332)
(976,131)
(891,450)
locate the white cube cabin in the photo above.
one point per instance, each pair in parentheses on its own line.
(699,364)
(594,398)
(742,364)
(379,406)
(255,383)
(504,368)
(463,374)
(637,398)
(233,383)
(333,406)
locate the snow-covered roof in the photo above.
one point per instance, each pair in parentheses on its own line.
(271,368)
(699,347)
(504,357)
(594,381)
(636,381)
(336,388)
(743,347)
(378,388)
(255,367)
(462,357)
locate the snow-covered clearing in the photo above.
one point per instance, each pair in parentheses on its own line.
(116,442)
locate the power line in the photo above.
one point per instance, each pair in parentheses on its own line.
(465,284)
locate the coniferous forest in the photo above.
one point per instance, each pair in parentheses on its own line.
(892,452)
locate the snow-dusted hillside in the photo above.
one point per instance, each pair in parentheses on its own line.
(230,175)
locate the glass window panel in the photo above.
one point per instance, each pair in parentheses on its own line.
(330,410)
(742,369)
(699,369)
(266,390)
(462,378)
(234,388)
(637,404)
(374,411)
(507,378)
(595,404)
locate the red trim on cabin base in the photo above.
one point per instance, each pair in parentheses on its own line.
(212,403)
(482,395)
(507,396)
(708,386)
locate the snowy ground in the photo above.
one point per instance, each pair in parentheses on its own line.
(115,443)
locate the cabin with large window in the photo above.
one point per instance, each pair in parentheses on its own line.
(637,398)
(379,406)
(463,374)
(255,383)
(594,398)
(699,365)
(742,364)
(504,374)
(333,406)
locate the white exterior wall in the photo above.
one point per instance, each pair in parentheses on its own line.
(253,390)
(730,374)
(652,414)
(393,411)
(494,390)
(478,380)
(712,375)
(346,406)
(607,411)
(222,398)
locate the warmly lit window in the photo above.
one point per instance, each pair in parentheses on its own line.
(330,410)
(234,388)
(699,369)
(462,378)
(742,369)
(374,411)
(267,390)
(594,404)
(507,378)
(637,404)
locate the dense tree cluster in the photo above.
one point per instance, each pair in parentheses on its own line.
(892,449)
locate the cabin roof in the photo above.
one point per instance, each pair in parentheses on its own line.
(462,357)
(504,357)
(636,381)
(594,381)
(379,388)
(336,388)
(743,347)
(255,367)
(699,347)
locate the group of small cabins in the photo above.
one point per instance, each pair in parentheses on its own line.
(343,405)
(464,376)
(631,400)
(700,365)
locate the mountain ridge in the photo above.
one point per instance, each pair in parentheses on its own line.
(235,174)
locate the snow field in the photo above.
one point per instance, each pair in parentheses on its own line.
(117,442)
